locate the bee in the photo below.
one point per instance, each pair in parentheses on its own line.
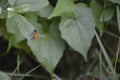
(35,35)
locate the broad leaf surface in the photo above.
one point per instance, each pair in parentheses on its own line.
(33,19)
(45,12)
(79,31)
(22,8)
(25,27)
(49,49)
(11,2)
(13,28)
(3,76)
(10,14)
(97,11)
(63,6)
(35,4)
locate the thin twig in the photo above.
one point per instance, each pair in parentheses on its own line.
(112,34)
(30,71)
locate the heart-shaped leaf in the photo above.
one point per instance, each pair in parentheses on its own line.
(79,30)
(49,49)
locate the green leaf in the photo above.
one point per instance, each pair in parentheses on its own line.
(79,31)
(12,28)
(25,27)
(115,1)
(3,76)
(10,14)
(107,14)
(97,11)
(22,8)
(63,6)
(11,43)
(45,12)
(33,19)
(11,2)
(23,45)
(35,4)
(11,25)
(14,39)
(118,17)
(49,49)
(3,14)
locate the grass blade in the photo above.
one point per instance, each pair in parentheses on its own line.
(104,53)
(118,17)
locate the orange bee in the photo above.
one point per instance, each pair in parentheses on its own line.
(35,35)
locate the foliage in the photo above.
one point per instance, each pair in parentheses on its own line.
(3,76)
(71,23)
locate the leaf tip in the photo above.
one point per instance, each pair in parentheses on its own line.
(85,57)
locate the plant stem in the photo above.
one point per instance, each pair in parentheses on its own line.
(116,59)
